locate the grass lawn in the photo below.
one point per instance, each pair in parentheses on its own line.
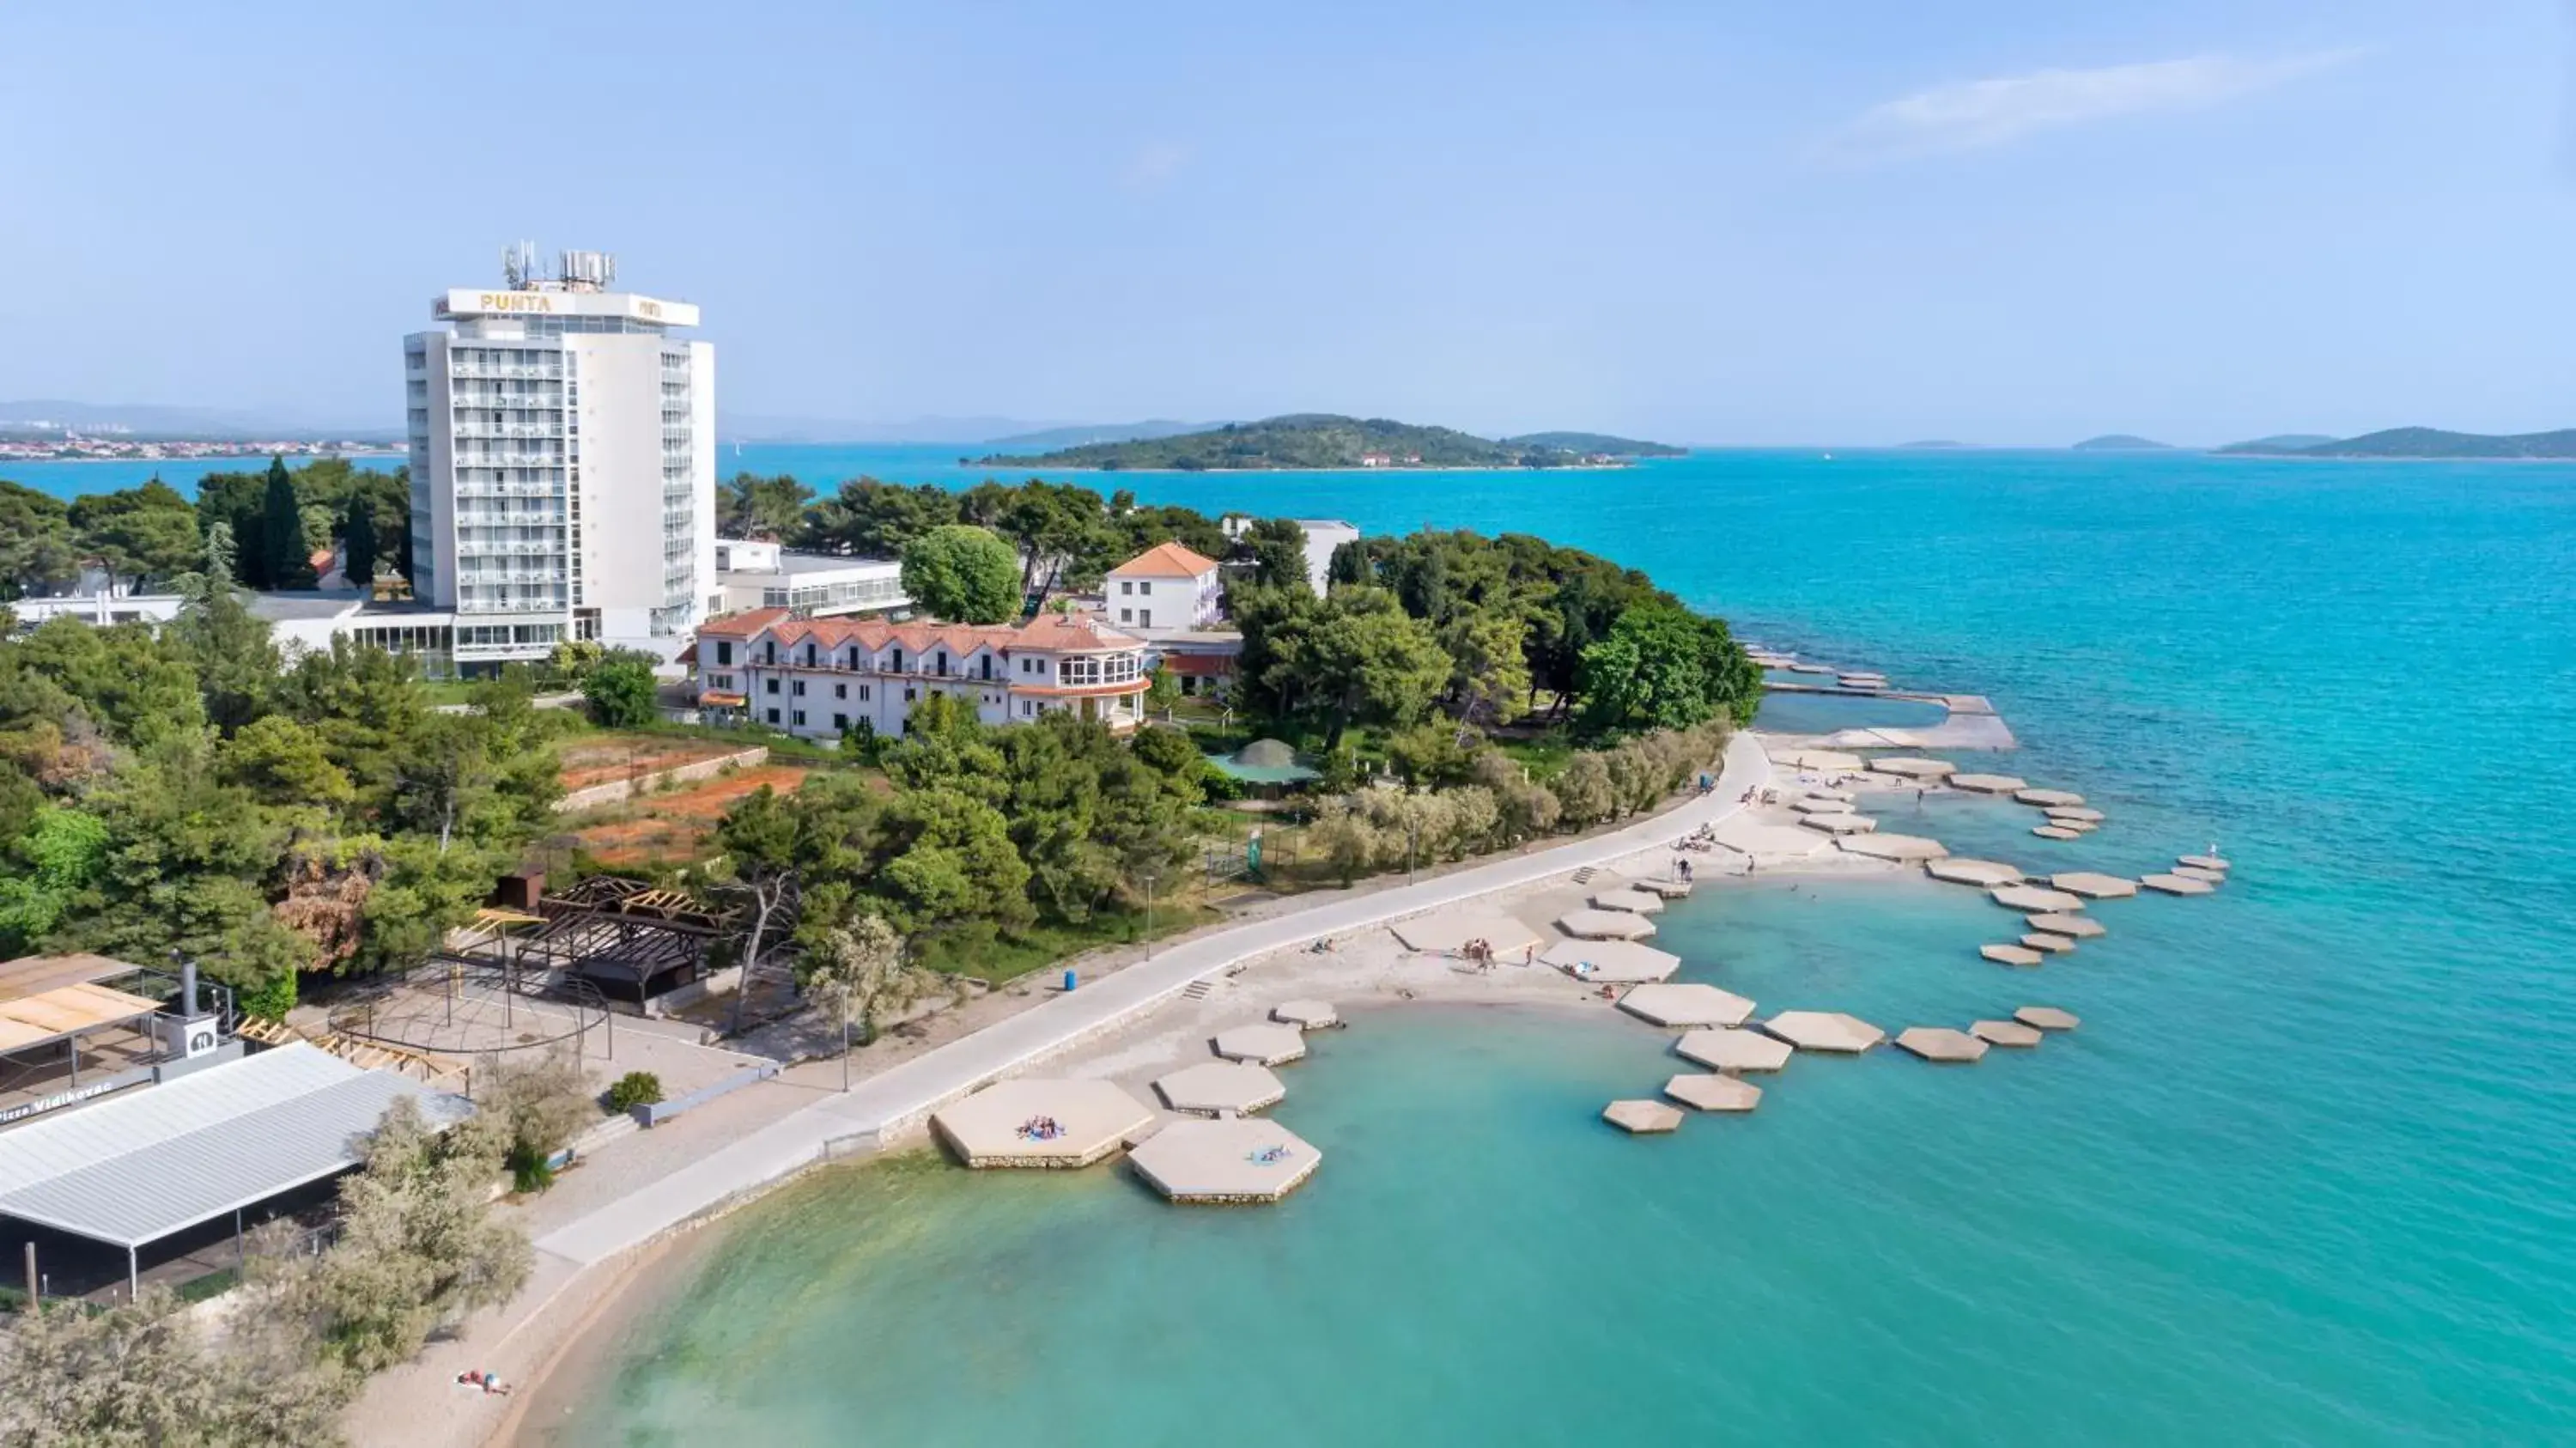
(1546,754)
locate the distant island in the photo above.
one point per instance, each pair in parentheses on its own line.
(2415,442)
(2122,442)
(1937,444)
(2280,442)
(1327,440)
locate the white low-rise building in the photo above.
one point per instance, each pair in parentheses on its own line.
(820,678)
(1167,586)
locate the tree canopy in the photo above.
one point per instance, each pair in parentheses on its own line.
(963,573)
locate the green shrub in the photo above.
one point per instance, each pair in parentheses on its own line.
(635,1088)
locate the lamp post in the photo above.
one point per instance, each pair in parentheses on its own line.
(1150,878)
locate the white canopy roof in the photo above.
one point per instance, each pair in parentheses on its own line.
(140,1166)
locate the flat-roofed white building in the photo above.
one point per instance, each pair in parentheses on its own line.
(755,573)
(563,464)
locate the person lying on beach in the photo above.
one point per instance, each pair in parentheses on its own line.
(477,1378)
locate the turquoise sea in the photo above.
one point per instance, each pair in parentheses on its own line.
(2307,1174)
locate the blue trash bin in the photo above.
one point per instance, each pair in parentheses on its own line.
(1068,980)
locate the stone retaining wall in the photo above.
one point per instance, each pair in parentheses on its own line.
(617,789)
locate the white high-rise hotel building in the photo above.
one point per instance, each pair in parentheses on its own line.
(563,464)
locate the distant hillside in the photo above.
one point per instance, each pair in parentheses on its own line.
(2279,442)
(1082,435)
(55,416)
(1597,442)
(2425,442)
(2122,442)
(1300,440)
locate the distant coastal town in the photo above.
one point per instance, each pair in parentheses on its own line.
(79,447)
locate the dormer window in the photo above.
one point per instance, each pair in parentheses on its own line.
(897,666)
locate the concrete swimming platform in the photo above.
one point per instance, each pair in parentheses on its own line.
(1611,962)
(1904,849)
(1221,1088)
(1447,932)
(1972,722)
(1839,822)
(1815,805)
(2074,814)
(1689,1004)
(1733,1049)
(1942,1044)
(1714,1093)
(2010,954)
(2046,1018)
(2047,943)
(1306,1015)
(1830,1031)
(1988,783)
(1040,1122)
(2094,885)
(2033,898)
(1262,1045)
(1605,925)
(1748,836)
(2057,832)
(2004,1033)
(2194,872)
(1242,1161)
(1664,885)
(1822,761)
(2176,884)
(2081,927)
(2205,862)
(1908,767)
(1984,874)
(1642,1118)
(1630,899)
(2046,797)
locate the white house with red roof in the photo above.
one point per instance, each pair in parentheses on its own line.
(818,678)
(1167,586)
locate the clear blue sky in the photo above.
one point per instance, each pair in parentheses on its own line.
(1865,222)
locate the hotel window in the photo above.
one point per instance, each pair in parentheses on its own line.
(840,723)
(799,689)
(840,691)
(1126,615)
(770,686)
(773,716)
(800,718)
(724,651)
(1126,587)
(909,694)
(863,693)
(897,666)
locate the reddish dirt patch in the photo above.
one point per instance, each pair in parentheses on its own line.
(604,758)
(672,828)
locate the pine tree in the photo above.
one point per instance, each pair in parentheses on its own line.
(358,541)
(283,558)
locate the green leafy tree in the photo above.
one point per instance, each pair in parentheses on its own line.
(1277,548)
(621,692)
(419,1246)
(751,506)
(964,574)
(1489,677)
(861,977)
(139,534)
(542,1103)
(150,1372)
(228,648)
(1362,661)
(1585,793)
(871,519)
(38,553)
(1662,667)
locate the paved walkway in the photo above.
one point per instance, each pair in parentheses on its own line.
(909,1092)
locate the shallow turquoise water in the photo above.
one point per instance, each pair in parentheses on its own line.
(2305,1175)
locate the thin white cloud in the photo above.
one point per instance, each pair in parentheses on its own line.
(1154,164)
(1978,114)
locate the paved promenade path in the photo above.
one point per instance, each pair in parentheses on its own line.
(905,1094)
